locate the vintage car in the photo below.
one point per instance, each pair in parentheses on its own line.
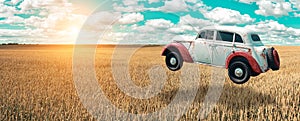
(235,48)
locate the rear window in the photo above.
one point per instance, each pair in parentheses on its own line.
(255,37)
(225,36)
(238,38)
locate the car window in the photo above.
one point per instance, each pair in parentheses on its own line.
(238,38)
(210,35)
(255,37)
(225,36)
(201,35)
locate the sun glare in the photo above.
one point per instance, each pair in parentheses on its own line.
(74,30)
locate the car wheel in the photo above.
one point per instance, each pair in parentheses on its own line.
(273,59)
(239,72)
(173,61)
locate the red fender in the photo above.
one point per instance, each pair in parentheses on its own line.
(276,58)
(178,47)
(254,65)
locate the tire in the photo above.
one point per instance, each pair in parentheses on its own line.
(273,59)
(239,72)
(173,61)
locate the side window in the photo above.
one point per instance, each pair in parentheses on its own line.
(255,37)
(238,38)
(202,35)
(210,35)
(225,36)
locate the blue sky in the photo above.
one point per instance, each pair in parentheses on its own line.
(144,21)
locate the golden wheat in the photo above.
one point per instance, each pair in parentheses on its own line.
(37,84)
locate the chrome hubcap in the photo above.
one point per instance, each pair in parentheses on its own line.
(173,61)
(238,72)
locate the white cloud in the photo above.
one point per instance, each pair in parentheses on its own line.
(273,32)
(11,2)
(296,7)
(270,8)
(101,21)
(103,18)
(227,16)
(21,33)
(296,4)
(38,4)
(297,14)
(248,1)
(154,31)
(159,23)
(130,2)
(7,11)
(177,30)
(293,31)
(268,25)
(15,1)
(174,6)
(56,13)
(153,1)
(195,23)
(275,8)
(58,22)
(131,18)
(130,8)
(199,6)
(188,25)
(192,1)
(159,31)
(12,20)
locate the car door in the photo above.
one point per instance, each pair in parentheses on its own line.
(222,47)
(201,51)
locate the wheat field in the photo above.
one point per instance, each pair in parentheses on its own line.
(37,84)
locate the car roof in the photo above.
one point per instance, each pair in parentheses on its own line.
(235,29)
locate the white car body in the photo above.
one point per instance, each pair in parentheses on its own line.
(215,52)
(220,45)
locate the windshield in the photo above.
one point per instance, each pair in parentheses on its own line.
(255,37)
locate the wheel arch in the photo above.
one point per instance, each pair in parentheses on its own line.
(245,57)
(180,49)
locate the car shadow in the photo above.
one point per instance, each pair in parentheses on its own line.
(236,97)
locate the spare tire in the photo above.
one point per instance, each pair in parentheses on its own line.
(273,59)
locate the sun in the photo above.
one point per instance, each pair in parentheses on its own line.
(73,30)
